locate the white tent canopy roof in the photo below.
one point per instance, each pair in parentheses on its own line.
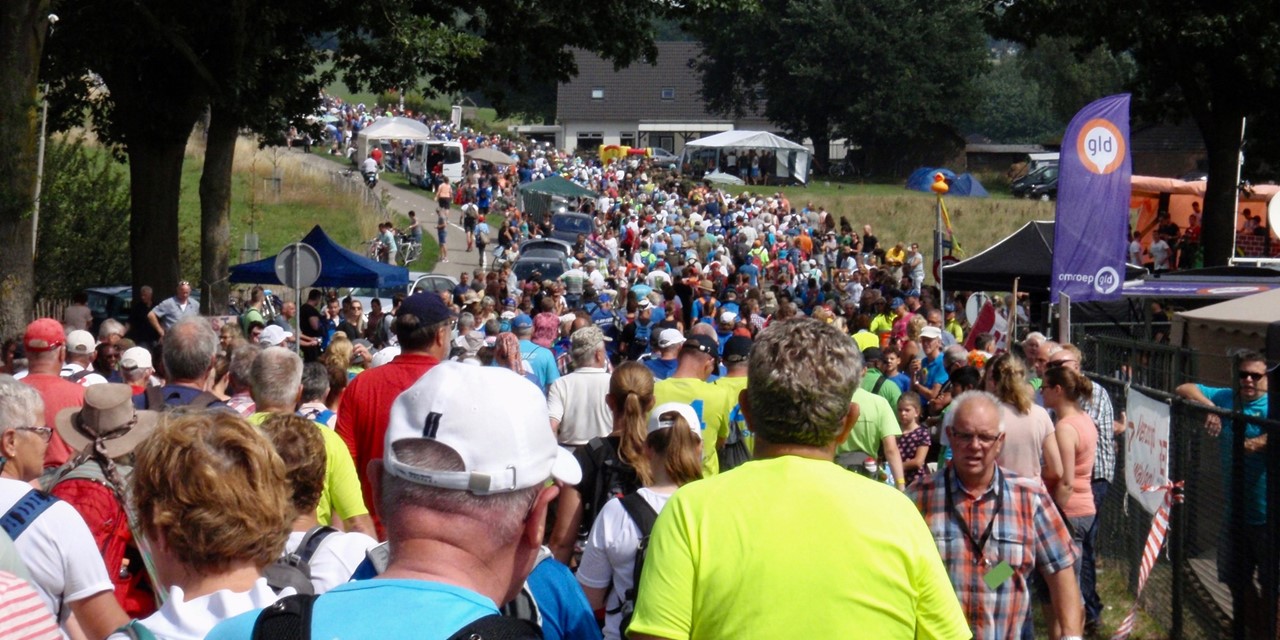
(742,139)
(394,128)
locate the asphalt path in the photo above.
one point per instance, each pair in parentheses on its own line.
(402,200)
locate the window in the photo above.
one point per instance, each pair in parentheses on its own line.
(588,141)
(627,139)
(597,93)
(668,93)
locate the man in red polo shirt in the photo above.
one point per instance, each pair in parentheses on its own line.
(422,326)
(46,343)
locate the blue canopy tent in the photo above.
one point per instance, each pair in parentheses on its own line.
(339,267)
(964,184)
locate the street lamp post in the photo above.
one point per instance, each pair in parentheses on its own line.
(44,127)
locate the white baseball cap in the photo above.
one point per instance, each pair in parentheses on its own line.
(273,335)
(504,446)
(670,338)
(81,342)
(933,333)
(136,358)
(728,317)
(384,355)
(690,416)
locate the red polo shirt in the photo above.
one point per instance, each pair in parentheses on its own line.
(366,409)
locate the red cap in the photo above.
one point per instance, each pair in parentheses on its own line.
(43,335)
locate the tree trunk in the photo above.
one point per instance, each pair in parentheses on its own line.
(1218,228)
(215,212)
(821,149)
(155,184)
(22,35)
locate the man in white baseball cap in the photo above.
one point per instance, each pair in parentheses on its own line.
(464,482)
(662,366)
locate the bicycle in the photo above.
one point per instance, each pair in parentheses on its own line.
(377,251)
(409,250)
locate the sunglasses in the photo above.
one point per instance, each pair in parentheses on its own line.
(1252,375)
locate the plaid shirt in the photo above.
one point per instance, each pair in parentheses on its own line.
(1028,533)
(1099,408)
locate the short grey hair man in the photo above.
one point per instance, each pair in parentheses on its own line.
(190,349)
(276,380)
(954,356)
(801,375)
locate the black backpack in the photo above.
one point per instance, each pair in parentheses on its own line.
(641,513)
(290,619)
(294,569)
(613,479)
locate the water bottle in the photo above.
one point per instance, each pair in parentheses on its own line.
(869,468)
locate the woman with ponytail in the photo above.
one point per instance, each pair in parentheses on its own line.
(1064,390)
(1027,426)
(614,465)
(673,449)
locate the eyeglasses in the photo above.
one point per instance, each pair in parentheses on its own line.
(1252,375)
(970,438)
(45,433)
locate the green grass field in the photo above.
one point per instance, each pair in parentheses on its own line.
(897,214)
(279,218)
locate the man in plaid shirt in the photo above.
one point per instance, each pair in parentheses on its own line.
(994,528)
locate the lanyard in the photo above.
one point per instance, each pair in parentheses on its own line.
(980,543)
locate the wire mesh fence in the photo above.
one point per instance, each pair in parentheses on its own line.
(1210,582)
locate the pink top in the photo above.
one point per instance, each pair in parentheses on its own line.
(1024,436)
(1081,503)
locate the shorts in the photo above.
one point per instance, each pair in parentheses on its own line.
(444,203)
(469,223)
(484,210)
(440,235)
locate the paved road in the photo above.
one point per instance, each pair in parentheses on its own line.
(402,201)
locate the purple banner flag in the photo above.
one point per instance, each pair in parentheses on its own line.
(1093,203)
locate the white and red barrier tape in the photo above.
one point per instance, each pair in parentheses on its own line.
(1155,541)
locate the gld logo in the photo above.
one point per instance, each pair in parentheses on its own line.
(1106,280)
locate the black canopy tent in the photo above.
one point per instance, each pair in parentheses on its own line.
(1026,255)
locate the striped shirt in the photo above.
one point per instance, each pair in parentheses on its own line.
(1027,532)
(23,615)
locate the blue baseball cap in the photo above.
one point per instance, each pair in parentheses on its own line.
(522,321)
(895,303)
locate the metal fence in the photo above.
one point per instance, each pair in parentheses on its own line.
(1202,585)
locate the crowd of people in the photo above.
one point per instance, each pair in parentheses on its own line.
(641,446)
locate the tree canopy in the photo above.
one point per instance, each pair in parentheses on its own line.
(884,73)
(1216,62)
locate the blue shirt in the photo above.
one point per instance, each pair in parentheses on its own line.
(566,615)
(543,361)
(381,609)
(937,373)
(1255,464)
(662,369)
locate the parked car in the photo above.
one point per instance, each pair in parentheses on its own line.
(546,247)
(546,267)
(1041,184)
(662,157)
(109,302)
(566,225)
(417,280)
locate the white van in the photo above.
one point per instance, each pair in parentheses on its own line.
(447,153)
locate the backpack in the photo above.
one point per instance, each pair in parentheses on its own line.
(294,569)
(290,619)
(734,452)
(79,375)
(482,238)
(643,515)
(25,511)
(613,479)
(85,487)
(156,402)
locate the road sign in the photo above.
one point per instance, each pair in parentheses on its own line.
(298,265)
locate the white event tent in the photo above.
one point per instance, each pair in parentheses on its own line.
(394,128)
(793,159)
